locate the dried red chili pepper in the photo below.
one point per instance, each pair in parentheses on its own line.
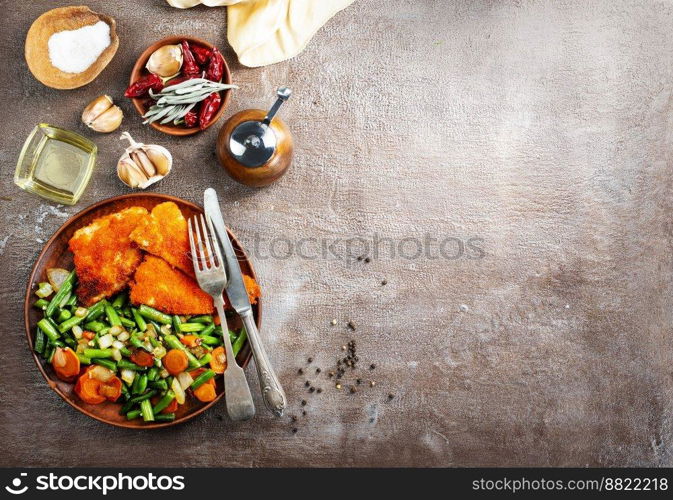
(189,66)
(201,54)
(191,119)
(142,86)
(215,67)
(209,107)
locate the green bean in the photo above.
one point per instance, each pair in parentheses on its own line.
(69,323)
(128,323)
(210,340)
(70,341)
(133,414)
(164,417)
(176,322)
(142,397)
(152,374)
(66,288)
(240,341)
(39,341)
(160,384)
(208,330)
(72,301)
(163,402)
(98,353)
(202,379)
(41,304)
(119,301)
(63,315)
(146,410)
(154,315)
(96,310)
(57,343)
(140,321)
(154,342)
(107,363)
(206,319)
(136,342)
(83,359)
(48,328)
(139,384)
(191,327)
(125,351)
(49,353)
(112,316)
(205,359)
(129,365)
(173,342)
(94,326)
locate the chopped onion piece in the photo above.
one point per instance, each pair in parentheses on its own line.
(185,380)
(77,331)
(117,344)
(44,290)
(80,312)
(159,351)
(179,392)
(128,375)
(116,354)
(105,341)
(115,330)
(124,336)
(56,277)
(164,373)
(101,373)
(166,329)
(151,330)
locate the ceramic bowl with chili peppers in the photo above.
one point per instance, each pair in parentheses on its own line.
(180,85)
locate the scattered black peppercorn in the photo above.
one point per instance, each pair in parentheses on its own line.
(384,283)
(303,402)
(330,374)
(318,390)
(310,360)
(368,260)
(372,366)
(294,430)
(294,418)
(358,381)
(360,257)
(300,371)
(318,370)
(307,383)
(353,389)
(351,325)
(303,413)
(311,389)
(391,396)
(371,420)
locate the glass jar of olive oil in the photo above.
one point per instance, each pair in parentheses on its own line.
(55,164)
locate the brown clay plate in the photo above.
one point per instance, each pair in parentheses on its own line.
(56,254)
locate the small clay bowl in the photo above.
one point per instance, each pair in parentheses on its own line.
(140,71)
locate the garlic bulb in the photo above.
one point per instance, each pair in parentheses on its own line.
(142,165)
(166,61)
(101,115)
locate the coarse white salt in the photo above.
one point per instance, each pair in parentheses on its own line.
(73,51)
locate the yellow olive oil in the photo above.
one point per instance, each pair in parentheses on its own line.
(55,164)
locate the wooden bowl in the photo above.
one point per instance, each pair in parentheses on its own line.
(53,21)
(56,254)
(139,71)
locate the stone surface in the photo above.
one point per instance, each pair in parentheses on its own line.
(530,140)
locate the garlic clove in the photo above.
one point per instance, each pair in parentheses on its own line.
(142,160)
(96,108)
(130,173)
(108,121)
(166,61)
(160,158)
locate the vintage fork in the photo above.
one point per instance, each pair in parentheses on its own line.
(212,278)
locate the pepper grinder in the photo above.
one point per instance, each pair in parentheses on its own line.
(254,146)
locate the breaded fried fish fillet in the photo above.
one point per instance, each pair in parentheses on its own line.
(164,234)
(105,258)
(169,290)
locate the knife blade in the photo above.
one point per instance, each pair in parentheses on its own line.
(238,296)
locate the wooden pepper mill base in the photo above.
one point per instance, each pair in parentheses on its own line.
(273,168)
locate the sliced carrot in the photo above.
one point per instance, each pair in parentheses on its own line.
(191,340)
(218,361)
(205,393)
(65,363)
(175,361)
(88,390)
(88,335)
(111,389)
(217,320)
(142,358)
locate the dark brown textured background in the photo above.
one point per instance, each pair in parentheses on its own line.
(543,128)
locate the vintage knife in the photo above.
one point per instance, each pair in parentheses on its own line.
(272,391)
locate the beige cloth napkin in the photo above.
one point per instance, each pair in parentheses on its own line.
(264,32)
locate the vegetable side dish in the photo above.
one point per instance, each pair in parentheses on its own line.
(148,347)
